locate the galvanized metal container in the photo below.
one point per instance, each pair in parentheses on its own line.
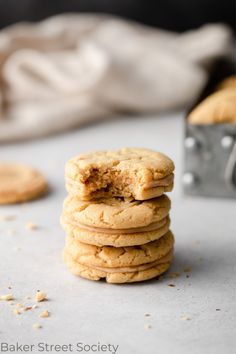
(210,150)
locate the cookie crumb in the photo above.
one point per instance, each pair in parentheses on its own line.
(147,315)
(147,327)
(37,326)
(40,296)
(19,305)
(31,226)
(185,318)
(174,275)
(27,308)
(171,285)
(16,312)
(44,314)
(218,309)
(35,306)
(6,297)
(187,270)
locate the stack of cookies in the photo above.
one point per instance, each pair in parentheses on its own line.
(117,215)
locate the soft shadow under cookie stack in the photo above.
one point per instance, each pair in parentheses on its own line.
(117,215)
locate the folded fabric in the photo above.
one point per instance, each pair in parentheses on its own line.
(75,68)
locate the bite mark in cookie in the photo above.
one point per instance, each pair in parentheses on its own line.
(130,172)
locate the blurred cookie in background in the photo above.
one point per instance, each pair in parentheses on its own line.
(220,107)
(20,183)
(228,83)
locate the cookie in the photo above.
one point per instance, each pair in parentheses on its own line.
(112,238)
(117,276)
(107,256)
(19,183)
(228,83)
(130,173)
(220,107)
(115,213)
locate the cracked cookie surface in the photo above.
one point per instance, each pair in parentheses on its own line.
(115,213)
(108,256)
(129,172)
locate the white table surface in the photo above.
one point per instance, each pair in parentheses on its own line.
(92,312)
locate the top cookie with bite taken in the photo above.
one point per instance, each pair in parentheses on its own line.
(135,173)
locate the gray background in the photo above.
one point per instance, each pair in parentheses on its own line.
(91,312)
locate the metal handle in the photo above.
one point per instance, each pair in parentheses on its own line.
(230,169)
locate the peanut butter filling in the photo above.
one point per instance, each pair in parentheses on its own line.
(165,259)
(152,227)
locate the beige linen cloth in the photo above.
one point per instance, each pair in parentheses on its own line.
(75,68)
